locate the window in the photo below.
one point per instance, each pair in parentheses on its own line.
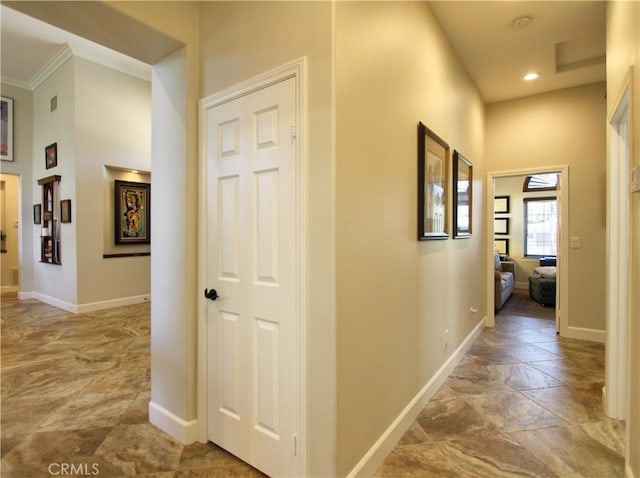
(540,226)
(540,182)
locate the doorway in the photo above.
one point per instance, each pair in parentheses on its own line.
(561,195)
(10,232)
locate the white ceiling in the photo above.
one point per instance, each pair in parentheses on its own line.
(565,42)
(28,46)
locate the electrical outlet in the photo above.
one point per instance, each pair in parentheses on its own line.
(445,339)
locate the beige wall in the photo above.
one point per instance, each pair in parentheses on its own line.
(396,295)
(563,128)
(239,40)
(623,52)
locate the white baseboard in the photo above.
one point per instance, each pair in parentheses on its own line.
(183,431)
(376,455)
(84,308)
(593,335)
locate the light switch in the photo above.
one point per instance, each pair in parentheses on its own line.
(575,242)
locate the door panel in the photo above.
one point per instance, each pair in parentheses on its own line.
(252,379)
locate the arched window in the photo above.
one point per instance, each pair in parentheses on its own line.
(540,182)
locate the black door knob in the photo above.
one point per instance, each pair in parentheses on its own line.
(211,294)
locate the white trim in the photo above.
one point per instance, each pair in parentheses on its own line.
(562,291)
(376,455)
(50,67)
(295,69)
(619,138)
(83,308)
(594,335)
(186,432)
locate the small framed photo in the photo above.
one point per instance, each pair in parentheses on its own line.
(501,225)
(132,214)
(501,204)
(51,156)
(462,196)
(37,213)
(6,128)
(65,210)
(501,246)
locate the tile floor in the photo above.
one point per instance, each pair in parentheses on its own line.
(75,391)
(521,403)
(75,394)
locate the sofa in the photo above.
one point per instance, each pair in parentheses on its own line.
(504,280)
(542,285)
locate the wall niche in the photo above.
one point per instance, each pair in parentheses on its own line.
(50,232)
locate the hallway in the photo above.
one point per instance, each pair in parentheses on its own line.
(522,402)
(75,390)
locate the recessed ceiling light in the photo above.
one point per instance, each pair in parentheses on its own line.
(531,76)
(521,22)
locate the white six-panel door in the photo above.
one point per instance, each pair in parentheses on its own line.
(252,388)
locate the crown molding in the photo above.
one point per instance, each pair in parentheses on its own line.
(15,83)
(50,67)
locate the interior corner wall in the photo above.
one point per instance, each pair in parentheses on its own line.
(564,127)
(22,166)
(623,53)
(113,127)
(56,284)
(239,40)
(396,295)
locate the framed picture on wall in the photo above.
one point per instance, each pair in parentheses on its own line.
(433,160)
(132,213)
(501,246)
(6,128)
(51,156)
(462,196)
(501,225)
(501,204)
(65,210)
(37,213)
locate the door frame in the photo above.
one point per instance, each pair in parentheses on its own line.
(295,69)
(618,294)
(562,194)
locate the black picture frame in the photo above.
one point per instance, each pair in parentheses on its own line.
(501,245)
(462,196)
(433,180)
(501,204)
(6,128)
(501,225)
(132,212)
(51,156)
(37,214)
(65,211)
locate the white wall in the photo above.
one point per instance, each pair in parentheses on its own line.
(564,127)
(56,283)
(112,128)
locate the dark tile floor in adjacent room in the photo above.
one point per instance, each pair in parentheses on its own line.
(522,402)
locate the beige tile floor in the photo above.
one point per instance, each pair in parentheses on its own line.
(521,403)
(75,391)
